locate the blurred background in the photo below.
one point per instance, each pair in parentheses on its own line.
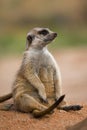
(68,18)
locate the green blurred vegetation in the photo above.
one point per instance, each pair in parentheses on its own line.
(12,44)
(17,17)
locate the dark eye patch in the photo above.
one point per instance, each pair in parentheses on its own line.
(43,32)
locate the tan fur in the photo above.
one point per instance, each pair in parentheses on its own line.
(38,80)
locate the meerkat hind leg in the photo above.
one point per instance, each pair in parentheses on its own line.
(6,107)
(26,103)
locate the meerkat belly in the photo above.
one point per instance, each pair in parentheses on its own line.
(46,76)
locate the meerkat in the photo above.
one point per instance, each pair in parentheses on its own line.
(38,82)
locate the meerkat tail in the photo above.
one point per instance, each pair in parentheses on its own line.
(38,114)
(5,97)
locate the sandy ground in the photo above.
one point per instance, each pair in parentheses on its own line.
(73,65)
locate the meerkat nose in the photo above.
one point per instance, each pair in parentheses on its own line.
(55,34)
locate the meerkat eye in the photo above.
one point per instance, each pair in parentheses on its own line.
(43,32)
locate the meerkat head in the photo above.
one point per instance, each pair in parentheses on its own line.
(39,38)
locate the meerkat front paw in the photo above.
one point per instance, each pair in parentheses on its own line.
(44,101)
(43,96)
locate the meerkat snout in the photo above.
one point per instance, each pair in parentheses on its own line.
(55,34)
(50,37)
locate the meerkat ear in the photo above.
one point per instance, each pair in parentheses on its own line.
(29,41)
(29,38)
